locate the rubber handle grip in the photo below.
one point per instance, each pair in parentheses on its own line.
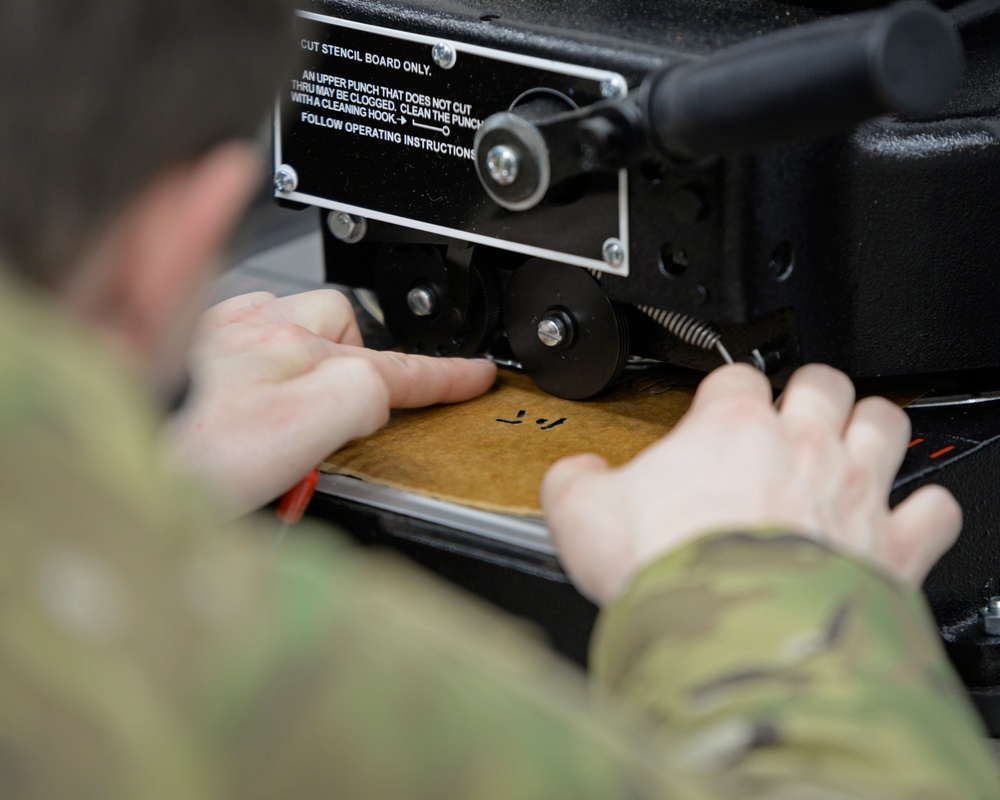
(805,83)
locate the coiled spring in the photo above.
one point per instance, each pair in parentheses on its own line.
(688,329)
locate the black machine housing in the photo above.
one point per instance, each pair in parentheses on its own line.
(869,244)
(872,249)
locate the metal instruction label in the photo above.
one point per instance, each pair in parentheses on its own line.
(377,122)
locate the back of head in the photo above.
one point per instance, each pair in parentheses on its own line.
(99,96)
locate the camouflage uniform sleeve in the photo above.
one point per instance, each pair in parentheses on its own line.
(361,678)
(778,668)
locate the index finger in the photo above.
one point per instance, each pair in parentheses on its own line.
(417,381)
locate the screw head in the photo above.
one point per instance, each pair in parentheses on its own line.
(503,164)
(444,55)
(346,227)
(286,179)
(421,301)
(552,331)
(989,617)
(614,88)
(614,253)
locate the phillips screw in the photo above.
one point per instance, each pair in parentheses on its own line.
(286,179)
(503,164)
(614,88)
(614,253)
(444,55)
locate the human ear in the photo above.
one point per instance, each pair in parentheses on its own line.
(146,283)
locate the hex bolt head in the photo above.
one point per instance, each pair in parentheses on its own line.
(503,164)
(286,179)
(989,617)
(444,55)
(347,227)
(614,88)
(421,301)
(613,252)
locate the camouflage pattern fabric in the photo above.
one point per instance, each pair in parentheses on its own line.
(785,670)
(144,654)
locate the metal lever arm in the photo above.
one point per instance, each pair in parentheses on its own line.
(792,86)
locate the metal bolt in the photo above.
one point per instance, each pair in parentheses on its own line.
(614,88)
(614,253)
(421,301)
(286,179)
(503,164)
(346,227)
(989,617)
(552,331)
(444,55)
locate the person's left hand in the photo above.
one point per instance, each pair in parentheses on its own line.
(820,465)
(277,384)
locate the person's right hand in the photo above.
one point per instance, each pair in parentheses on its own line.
(277,384)
(820,465)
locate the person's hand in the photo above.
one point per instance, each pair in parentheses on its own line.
(820,465)
(277,384)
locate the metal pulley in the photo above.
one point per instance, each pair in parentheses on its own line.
(569,337)
(433,308)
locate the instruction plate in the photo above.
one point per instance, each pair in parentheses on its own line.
(372,125)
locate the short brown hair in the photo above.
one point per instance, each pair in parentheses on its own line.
(98,96)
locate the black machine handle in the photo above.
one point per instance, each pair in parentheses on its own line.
(792,86)
(806,82)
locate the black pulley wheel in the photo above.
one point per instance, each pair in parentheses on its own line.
(569,337)
(420,309)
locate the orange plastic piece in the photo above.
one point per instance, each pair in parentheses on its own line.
(296,500)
